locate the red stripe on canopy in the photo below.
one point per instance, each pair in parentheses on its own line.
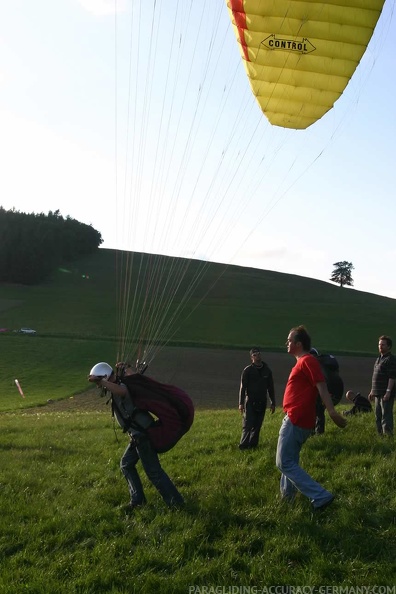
(239,14)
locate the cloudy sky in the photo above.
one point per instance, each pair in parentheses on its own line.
(137,118)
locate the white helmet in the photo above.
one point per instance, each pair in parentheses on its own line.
(102,370)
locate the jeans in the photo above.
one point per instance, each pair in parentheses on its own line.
(141,448)
(384,415)
(291,438)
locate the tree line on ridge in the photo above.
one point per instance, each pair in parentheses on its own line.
(32,245)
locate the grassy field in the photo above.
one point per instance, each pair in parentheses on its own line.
(75,317)
(47,368)
(64,529)
(243,306)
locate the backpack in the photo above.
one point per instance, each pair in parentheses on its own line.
(172,408)
(331,369)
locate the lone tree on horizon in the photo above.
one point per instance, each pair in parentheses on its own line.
(342,273)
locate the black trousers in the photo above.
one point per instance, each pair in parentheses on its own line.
(251,425)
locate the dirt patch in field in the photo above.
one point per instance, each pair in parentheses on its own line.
(211,377)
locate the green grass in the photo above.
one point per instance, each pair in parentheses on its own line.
(245,305)
(75,318)
(63,528)
(47,368)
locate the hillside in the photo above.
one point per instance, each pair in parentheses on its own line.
(244,306)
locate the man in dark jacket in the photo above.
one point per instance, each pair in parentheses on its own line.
(256,383)
(383,386)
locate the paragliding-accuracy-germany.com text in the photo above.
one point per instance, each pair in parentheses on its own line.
(373,589)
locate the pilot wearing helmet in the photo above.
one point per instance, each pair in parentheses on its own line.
(135,422)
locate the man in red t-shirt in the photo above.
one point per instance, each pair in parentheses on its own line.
(299,403)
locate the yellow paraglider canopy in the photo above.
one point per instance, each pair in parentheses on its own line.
(300,55)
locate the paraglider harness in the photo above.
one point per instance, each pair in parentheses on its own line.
(331,370)
(162,412)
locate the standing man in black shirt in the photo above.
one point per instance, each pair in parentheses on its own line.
(383,386)
(256,383)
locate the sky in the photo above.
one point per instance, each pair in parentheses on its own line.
(136,117)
